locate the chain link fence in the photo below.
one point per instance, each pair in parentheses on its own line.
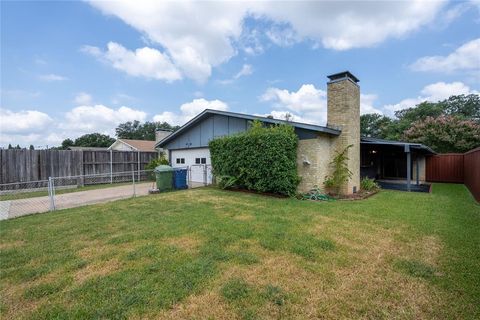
(22,198)
(199,175)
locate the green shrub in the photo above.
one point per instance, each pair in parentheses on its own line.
(368,184)
(340,174)
(262,159)
(156,162)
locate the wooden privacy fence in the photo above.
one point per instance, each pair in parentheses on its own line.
(456,168)
(34,165)
(471,167)
(446,167)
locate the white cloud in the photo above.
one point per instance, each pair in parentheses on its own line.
(283,36)
(198,36)
(189,110)
(340,27)
(283,115)
(40,129)
(464,58)
(99,118)
(28,121)
(366,104)
(52,77)
(82,98)
(144,62)
(246,70)
(309,104)
(433,92)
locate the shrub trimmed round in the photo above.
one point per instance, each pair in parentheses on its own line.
(262,159)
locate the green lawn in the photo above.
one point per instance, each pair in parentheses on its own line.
(207,253)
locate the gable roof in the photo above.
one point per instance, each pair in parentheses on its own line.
(418,146)
(139,145)
(207,112)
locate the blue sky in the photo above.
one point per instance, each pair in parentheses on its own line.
(69,68)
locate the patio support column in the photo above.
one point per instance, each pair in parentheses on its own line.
(409,166)
(417,169)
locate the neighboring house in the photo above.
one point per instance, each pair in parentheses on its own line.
(133,145)
(88,148)
(380,159)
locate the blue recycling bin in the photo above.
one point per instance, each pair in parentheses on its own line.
(180,178)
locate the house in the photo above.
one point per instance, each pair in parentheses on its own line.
(380,159)
(133,145)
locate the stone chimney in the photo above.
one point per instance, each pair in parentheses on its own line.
(160,134)
(343,107)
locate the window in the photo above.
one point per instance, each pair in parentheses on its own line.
(204,160)
(197,160)
(180,160)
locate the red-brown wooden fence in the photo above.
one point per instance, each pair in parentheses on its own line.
(456,168)
(471,165)
(446,167)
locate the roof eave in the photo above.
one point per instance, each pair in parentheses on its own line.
(306,126)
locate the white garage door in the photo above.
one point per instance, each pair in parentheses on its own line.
(198,161)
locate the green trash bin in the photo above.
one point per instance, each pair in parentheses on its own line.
(164,176)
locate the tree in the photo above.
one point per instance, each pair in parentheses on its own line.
(139,131)
(32,147)
(67,143)
(374,125)
(461,106)
(467,107)
(10,146)
(445,133)
(93,140)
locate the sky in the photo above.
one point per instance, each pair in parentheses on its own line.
(75,67)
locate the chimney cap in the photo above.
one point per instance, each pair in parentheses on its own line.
(342,75)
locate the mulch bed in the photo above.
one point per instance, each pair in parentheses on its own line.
(356,196)
(268,194)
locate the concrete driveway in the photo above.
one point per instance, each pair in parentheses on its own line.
(16,208)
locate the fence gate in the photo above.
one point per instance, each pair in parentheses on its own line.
(199,175)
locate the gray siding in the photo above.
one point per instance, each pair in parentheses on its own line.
(208,129)
(218,126)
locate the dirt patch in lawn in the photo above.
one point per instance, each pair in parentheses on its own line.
(185,243)
(99,268)
(207,305)
(10,245)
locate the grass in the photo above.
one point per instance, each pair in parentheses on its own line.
(207,253)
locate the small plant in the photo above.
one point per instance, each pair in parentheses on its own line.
(340,174)
(317,195)
(236,289)
(161,160)
(227,182)
(416,268)
(156,162)
(368,184)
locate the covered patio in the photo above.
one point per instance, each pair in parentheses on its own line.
(394,164)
